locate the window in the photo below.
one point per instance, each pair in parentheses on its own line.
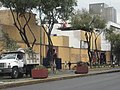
(84,44)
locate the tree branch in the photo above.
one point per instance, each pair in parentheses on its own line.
(26,24)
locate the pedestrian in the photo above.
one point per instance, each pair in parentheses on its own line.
(54,55)
(65,64)
(113,64)
(54,59)
(69,65)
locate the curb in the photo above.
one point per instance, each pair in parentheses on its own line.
(49,79)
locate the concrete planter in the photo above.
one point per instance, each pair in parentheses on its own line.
(40,73)
(81,70)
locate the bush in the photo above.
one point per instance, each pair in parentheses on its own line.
(40,67)
(80,63)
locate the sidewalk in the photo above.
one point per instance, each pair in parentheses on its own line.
(60,75)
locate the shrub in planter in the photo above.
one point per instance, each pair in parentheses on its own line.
(39,72)
(81,68)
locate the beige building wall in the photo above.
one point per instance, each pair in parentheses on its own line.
(92,40)
(14,33)
(6,25)
(99,43)
(60,41)
(108,57)
(84,55)
(7,19)
(82,35)
(74,55)
(64,53)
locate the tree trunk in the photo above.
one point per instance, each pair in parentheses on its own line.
(96,49)
(88,39)
(111,54)
(50,50)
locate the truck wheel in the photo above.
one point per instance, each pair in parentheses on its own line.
(15,73)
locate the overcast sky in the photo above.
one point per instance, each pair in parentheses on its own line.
(111,3)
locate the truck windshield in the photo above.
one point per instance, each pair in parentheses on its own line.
(8,56)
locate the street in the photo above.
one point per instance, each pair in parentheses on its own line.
(109,81)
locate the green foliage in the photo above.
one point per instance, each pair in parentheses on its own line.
(20,6)
(29,50)
(81,20)
(116,47)
(9,44)
(114,38)
(80,63)
(40,67)
(99,23)
(110,35)
(55,9)
(85,21)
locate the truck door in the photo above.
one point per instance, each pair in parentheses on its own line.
(20,60)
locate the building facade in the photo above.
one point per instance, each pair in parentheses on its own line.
(108,13)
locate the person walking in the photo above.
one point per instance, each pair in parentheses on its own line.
(65,65)
(69,65)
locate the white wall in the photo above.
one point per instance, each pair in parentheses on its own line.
(74,36)
(105,45)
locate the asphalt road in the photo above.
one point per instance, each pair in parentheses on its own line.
(109,81)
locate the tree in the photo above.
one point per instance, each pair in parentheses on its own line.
(99,27)
(116,49)
(114,38)
(83,20)
(110,36)
(22,9)
(53,10)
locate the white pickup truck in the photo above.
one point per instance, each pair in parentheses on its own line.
(18,63)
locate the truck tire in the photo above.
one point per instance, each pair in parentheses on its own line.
(15,73)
